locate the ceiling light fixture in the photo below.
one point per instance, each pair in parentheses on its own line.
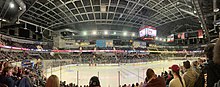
(4,20)
(133,34)
(20,8)
(106,33)
(156,38)
(36,30)
(194,12)
(84,33)
(114,33)
(164,40)
(125,34)
(94,33)
(11,5)
(216,10)
(41,30)
(25,26)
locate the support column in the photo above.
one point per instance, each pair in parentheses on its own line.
(36,37)
(215,16)
(8,31)
(119,78)
(0,24)
(188,42)
(16,31)
(30,34)
(77,78)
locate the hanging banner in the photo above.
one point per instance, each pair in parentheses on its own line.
(200,34)
(183,36)
(170,38)
(179,36)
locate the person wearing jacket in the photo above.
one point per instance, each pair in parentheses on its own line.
(190,75)
(25,81)
(152,80)
(177,81)
(6,77)
(94,82)
(213,69)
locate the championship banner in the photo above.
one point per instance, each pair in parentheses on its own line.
(183,36)
(200,34)
(179,36)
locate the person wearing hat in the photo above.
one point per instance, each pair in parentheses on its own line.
(177,81)
(152,80)
(94,82)
(190,75)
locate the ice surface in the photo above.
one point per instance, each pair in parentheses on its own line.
(109,73)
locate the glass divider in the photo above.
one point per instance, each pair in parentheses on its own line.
(60,64)
(119,78)
(138,75)
(77,81)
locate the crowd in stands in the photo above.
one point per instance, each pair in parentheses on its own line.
(11,56)
(123,48)
(104,48)
(88,48)
(140,48)
(200,73)
(14,76)
(8,42)
(167,78)
(89,57)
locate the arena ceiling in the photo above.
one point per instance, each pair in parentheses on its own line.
(168,16)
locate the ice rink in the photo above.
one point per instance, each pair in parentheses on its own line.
(109,74)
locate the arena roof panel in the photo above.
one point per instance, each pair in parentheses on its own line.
(57,14)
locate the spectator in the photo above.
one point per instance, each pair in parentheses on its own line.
(129,85)
(6,77)
(26,81)
(124,85)
(169,78)
(152,80)
(178,81)
(216,57)
(53,81)
(2,66)
(208,51)
(94,82)
(3,85)
(213,72)
(132,85)
(165,75)
(141,84)
(7,64)
(137,85)
(190,75)
(195,66)
(211,68)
